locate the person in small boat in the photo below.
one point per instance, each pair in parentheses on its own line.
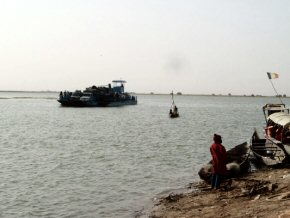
(175,109)
(219,161)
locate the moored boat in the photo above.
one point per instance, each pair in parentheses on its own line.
(266,151)
(278,128)
(237,163)
(274,149)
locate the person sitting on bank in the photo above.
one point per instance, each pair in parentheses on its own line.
(219,161)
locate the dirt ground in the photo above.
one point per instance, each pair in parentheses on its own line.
(264,193)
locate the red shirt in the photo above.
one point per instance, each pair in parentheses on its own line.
(219,158)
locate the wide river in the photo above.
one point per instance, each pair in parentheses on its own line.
(110,162)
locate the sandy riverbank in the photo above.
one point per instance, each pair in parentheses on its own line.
(264,193)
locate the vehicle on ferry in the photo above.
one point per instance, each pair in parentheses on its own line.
(72,99)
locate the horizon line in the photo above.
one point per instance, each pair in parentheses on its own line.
(177,93)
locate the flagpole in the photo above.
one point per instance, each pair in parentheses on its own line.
(275,90)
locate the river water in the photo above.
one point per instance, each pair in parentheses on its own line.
(110,162)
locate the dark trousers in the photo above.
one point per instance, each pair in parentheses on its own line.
(216,180)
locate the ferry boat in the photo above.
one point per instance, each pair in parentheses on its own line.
(102,96)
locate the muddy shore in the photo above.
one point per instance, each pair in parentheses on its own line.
(263,193)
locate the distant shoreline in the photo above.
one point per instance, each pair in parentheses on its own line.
(209,95)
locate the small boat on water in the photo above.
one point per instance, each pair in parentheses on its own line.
(237,163)
(173,112)
(101,96)
(267,152)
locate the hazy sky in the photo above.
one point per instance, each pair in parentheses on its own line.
(191,46)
